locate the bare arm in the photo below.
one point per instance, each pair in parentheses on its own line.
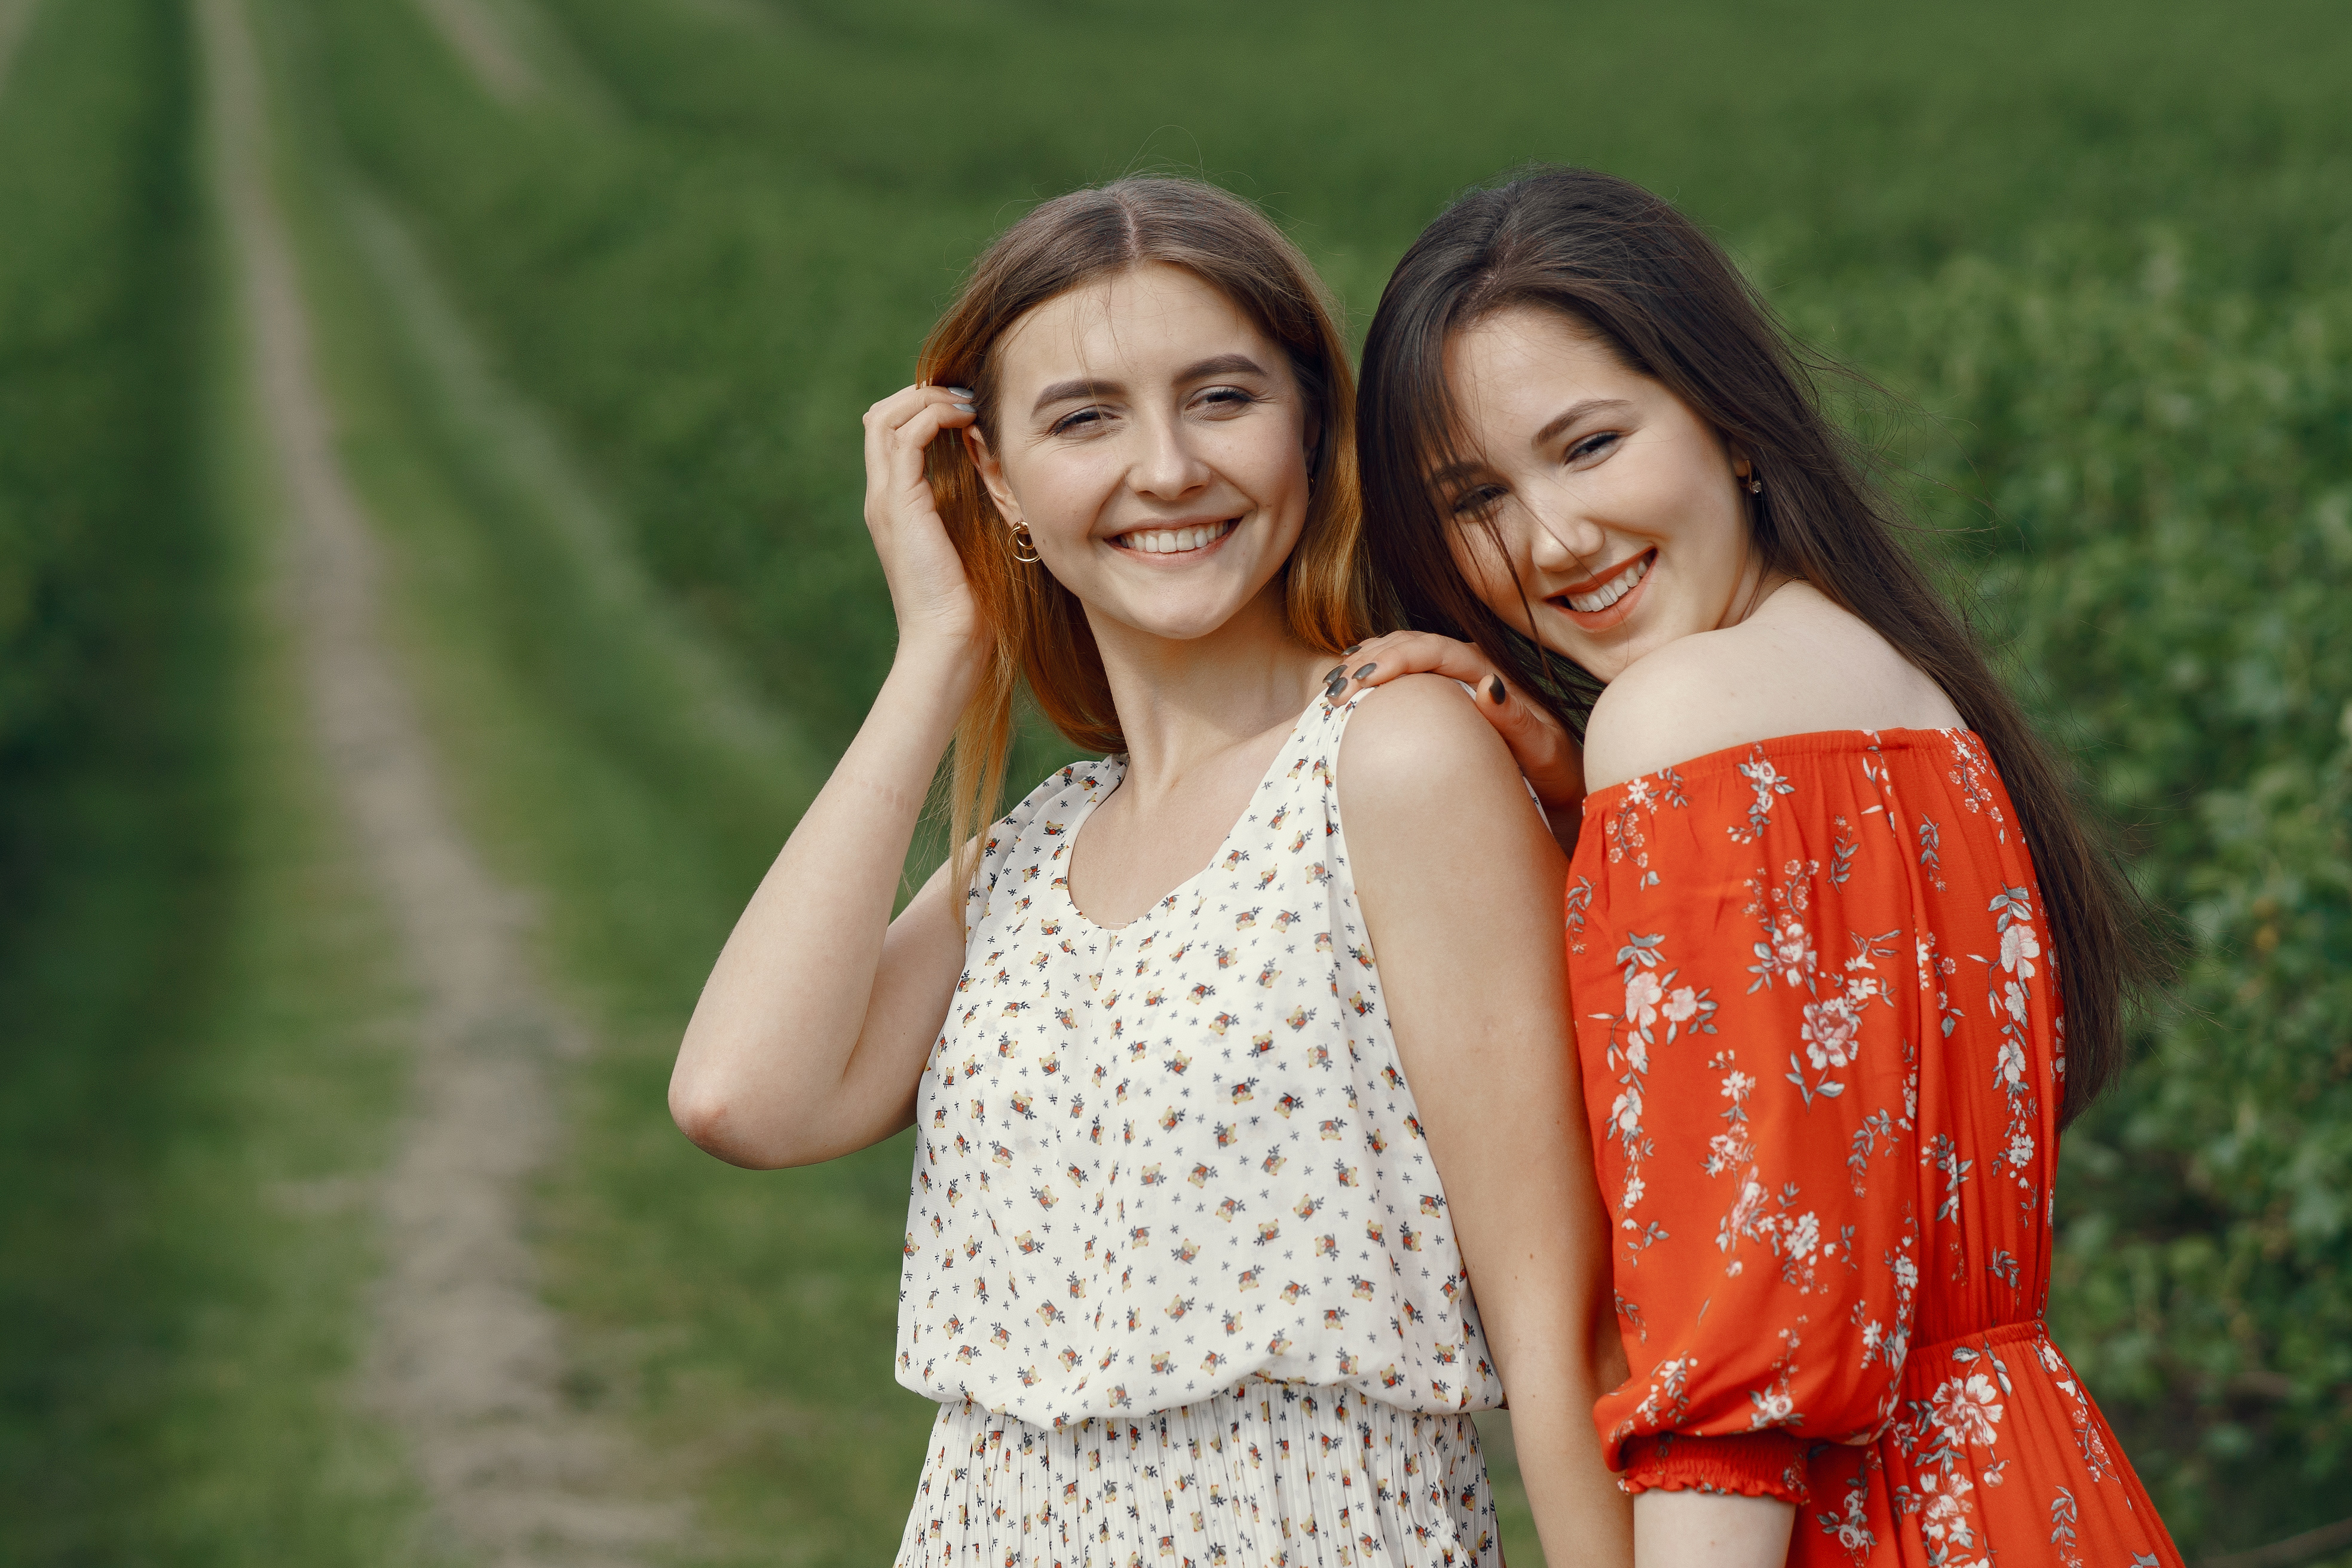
(1705,1530)
(1461,888)
(813,1029)
(1545,750)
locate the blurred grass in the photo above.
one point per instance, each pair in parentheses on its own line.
(707,284)
(598,347)
(731,1315)
(193,1068)
(2102,249)
(2169,461)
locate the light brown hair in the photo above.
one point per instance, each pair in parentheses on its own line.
(1624,265)
(1038,629)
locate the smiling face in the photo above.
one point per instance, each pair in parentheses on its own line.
(1154,441)
(1621,513)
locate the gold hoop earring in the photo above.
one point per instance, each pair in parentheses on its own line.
(1021,542)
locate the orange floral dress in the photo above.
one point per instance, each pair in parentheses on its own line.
(1823,1056)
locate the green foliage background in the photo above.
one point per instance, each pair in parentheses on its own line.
(192,1058)
(2098,256)
(95,524)
(2170,485)
(2101,261)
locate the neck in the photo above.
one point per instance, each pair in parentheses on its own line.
(1181,703)
(1758,582)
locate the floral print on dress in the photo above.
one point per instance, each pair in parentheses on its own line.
(1824,1077)
(1273,1475)
(1163,1166)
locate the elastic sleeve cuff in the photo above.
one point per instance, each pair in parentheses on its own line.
(1753,1464)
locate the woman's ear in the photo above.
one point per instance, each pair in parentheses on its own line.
(992,474)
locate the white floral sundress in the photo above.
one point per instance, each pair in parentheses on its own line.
(1179,1268)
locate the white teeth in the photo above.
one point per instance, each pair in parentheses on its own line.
(1611,591)
(1176,541)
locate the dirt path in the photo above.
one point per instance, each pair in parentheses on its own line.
(484,46)
(16,21)
(467,1360)
(690,681)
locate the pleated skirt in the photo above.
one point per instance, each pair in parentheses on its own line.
(1272,1476)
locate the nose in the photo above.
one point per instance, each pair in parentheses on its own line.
(1166,467)
(1560,539)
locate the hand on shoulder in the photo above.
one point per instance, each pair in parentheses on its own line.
(1799,664)
(1548,755)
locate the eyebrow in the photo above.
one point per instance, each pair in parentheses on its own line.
(1222,364)
(1066,391)
(1218,364)
(1567,416)
(1451,472)
(1571,413)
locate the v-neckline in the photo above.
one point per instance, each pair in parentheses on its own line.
(1166,900)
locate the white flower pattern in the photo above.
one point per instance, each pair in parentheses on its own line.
(1879,1205)
(1164,1167)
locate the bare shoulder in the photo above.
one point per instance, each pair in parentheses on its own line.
(1436,812)
(1417,738)
(1799,664)
(1679,701)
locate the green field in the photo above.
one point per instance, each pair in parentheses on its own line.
(598,289)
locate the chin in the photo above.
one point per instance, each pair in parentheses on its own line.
(1171,624)
(1186,630)
(1608,655)
(1182,612)
(1603,662)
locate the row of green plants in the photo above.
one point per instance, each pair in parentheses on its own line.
(109,693)
(96,197)
(194,1079)
(712,268)
(2163,529)
(2101,272)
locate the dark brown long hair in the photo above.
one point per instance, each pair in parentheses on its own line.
(1626,265)
(1039,628)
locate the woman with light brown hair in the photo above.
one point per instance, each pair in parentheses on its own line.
(1201,1183)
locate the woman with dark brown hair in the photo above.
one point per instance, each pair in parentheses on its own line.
(1200,1184)
(1844,958)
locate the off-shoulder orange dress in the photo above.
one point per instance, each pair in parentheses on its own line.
(1824,1057)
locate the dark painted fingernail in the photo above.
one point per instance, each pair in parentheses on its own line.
(962,392)
(1346,651)
(1495,691)
(961,407)
(1366,673)
(1336,673)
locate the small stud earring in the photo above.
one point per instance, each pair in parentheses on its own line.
(1755,487)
